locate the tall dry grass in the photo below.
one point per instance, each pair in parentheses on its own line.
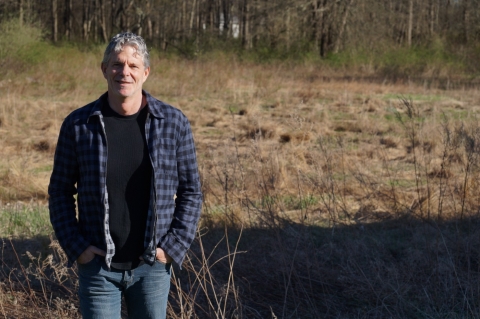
(324,198)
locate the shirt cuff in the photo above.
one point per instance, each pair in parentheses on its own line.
(173,248)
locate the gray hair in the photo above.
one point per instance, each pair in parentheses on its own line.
(127,38)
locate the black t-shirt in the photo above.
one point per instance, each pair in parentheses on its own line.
(129,173)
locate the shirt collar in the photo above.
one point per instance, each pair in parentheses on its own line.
(154,106)
(97,106)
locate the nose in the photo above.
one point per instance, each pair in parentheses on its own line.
(124,70)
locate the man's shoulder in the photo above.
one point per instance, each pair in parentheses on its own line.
(84,112)
(164,110)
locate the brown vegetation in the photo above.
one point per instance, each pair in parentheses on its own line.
(323,199)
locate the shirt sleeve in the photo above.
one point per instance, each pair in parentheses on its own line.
(188,202)
(61,190)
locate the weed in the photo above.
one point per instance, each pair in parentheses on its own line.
(24,220)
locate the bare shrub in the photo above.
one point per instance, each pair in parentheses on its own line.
(285,138)
(42,146)
(348,127)
(253,131)
(388,142)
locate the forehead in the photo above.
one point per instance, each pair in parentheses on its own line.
(126,52)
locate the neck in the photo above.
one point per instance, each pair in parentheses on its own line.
(127,106)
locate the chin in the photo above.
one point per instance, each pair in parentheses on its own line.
(125,94)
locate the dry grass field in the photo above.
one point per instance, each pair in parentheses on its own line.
(324,196)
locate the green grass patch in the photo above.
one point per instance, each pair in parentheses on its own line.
(348,59)
(460,114)
(24,221)
(42,169)
(232,108)
(404,183)
(294,202)
(389,117)
(389,59)
(342,116)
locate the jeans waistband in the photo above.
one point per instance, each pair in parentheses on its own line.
(127,265)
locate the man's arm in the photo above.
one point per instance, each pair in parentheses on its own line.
(62,190)
(188,203)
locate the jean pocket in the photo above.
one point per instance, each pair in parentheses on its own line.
(160,262)
(91,262)
(162,267)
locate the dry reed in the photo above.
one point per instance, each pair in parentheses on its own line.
(323,199)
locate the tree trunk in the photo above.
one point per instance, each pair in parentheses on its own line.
(156,29)
(184,20)
(86,19)
(125,23)
(314,27)
(54,21)
(95,21)
(342,26)
(149,28)
(67,19)
(324,29)
(246,43)
(164,36)
(148,19)
(20,16)
(466,21)
(123,18)
(226,15)
(198,18)
(410,23)
(103,21)
(192,16)
(287,27)
(113,16)
(432,18)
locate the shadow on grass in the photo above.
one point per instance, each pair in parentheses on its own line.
(34,280)
(399,268)
(402,268)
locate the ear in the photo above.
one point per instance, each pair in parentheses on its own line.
(103,66)
(146,73)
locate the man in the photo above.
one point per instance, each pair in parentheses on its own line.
(130,159)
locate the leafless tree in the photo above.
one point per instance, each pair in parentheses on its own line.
(327,26)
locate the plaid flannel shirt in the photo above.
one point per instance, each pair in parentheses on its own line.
(80,169)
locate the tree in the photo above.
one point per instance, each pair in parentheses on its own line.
(328,26)
(410,23)
(55,21)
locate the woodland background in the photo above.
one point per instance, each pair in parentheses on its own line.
(288,28)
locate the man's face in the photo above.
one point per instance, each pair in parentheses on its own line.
(125,73)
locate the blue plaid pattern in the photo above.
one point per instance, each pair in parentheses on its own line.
(80,169)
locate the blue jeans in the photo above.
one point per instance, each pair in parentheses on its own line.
(145,289)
